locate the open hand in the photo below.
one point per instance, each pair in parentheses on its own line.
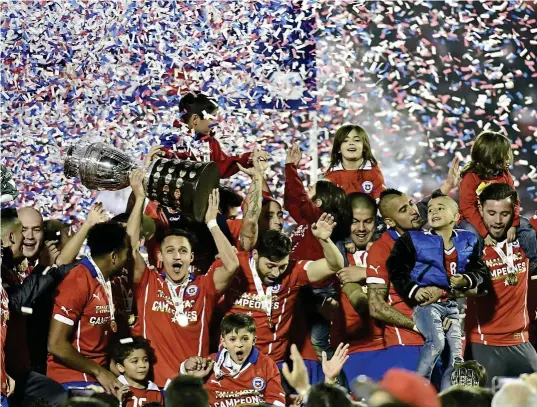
(298,377)
(294,155)
(332,367)
(454,174)
(322,229)
(49,253)
(108,381)
(97,214)
(212,207)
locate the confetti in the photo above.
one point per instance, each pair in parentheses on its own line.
(423,78)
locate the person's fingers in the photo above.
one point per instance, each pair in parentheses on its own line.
(324,357)
(285,371)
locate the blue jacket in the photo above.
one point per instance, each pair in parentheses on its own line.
(417,260)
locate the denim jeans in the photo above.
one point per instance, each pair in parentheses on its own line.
(428,320)
(526,237)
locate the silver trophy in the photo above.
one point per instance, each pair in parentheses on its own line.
(178,184)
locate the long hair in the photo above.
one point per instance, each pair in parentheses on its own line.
(341,134)
(490,153)
(336,203)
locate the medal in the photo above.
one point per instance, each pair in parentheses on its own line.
(107,286)
(507,258)
(113,326)
(180,317)
(270,324)
(511,279)
(264,296)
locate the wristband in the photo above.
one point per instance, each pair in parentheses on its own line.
(212,224)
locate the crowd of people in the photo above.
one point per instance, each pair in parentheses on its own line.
(373,299)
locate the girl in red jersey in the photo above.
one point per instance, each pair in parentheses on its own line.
(491,156)
(134,358)
(352,164)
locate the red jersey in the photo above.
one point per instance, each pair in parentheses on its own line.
(81,302)
(140,397)
(368,180)
(4,317)
(207,148)
(377,273)
(500,318)
(258,381)
(361,334)
(304,212)
(469,190)
(172,342)
(235,226)
(242,296)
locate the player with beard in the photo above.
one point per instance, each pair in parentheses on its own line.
(268,283)
(239,373)
(352,323)
(175,307)
(400,213)
(497,323)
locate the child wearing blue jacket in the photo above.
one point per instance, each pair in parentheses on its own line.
(427,268)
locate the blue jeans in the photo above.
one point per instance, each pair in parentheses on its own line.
(3,401)
(526,237)
(428,320)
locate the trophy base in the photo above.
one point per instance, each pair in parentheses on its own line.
(182,185)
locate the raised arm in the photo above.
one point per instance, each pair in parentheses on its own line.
(230,262)
(97,214)
(333,259)
(134,223)
(252,203)
(295,199)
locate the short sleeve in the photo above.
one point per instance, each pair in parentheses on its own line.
(299,275)
(274,393)
(71,297)
(139,287)
(377,272)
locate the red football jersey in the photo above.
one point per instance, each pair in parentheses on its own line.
(172,342)
(243,297)
(377,273)
(368,180)
(500,318)
(258,381)
(362,334)
(140,397)
(81,302)
(4,317)
(469,190)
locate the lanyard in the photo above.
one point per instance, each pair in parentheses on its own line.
(507,257)
(265,296)
(107,285)
(178,301)
(234,371)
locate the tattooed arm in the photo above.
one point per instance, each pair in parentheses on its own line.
(253,202)
(381,310)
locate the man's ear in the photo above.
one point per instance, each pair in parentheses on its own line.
(11,238)
(159,256)
(318,202)
(194,121)
(255,340)
(389,222)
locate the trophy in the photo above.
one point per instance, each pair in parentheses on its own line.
(178,184)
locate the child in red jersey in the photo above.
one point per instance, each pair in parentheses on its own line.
(491,156)
(352,164)
(134,358)
(239,374)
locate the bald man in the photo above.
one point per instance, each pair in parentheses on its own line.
(32,231)
(21,295)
